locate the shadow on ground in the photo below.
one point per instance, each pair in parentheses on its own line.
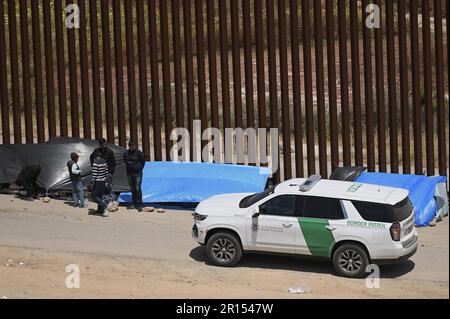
(168,206)
(396,270)
(93,212)
(300,263)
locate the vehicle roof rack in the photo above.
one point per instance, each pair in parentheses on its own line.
(309,183)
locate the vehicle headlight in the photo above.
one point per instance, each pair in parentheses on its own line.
(198,216)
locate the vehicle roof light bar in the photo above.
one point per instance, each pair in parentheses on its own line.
(309,183)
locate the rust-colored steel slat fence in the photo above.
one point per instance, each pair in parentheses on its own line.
(345,82)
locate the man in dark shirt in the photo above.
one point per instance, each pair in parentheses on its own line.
(28,177)
(135,162)
(108,155)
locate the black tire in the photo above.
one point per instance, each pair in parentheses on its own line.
(350,260)
(224,249)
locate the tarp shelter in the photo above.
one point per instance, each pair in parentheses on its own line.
(53,156)
(427,194)
(187,182)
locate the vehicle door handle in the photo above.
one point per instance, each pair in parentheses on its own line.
(287,225)
(330,228)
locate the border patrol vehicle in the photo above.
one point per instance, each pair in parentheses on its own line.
(352,224)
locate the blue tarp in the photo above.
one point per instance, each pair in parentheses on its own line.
(191,182)
(421,189)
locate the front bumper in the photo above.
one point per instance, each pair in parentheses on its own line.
(198,235)
(195,231)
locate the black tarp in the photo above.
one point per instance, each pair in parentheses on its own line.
(53,156)
(348,173)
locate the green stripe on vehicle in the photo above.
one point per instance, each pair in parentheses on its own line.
(318,238)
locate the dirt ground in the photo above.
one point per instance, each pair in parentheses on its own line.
(151,255)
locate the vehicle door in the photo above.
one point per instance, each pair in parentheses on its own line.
(321,219)
(274,225)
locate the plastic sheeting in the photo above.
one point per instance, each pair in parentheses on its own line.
(187,182)
(442,206)
(53,156)
(427,194)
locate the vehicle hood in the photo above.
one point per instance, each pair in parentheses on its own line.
(226,204)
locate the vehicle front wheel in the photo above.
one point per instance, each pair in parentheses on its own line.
(224,249)
(350,260)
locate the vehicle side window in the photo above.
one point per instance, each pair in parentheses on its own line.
(402,210)
(374,212)
(283,205)
(300,202)
(252,199)
(322,207)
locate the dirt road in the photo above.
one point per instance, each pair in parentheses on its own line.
(151,255)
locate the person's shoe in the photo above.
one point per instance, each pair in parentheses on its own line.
(75,205)
(131,207)
(81,206)
(139,209)
(105,214)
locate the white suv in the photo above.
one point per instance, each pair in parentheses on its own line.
(354,224)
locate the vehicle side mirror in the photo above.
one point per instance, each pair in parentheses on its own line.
(256,213)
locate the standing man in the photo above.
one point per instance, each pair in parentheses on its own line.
(99,177)
(135,162)
(108,155)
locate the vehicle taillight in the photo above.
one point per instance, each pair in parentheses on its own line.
(395,231)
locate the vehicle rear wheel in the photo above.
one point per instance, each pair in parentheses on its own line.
(350,260)
(224,249)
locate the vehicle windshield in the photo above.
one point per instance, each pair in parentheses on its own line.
(403,209)
(252,199)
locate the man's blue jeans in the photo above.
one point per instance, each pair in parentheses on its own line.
(135,182)
(77,193)
(112,195)
(98,190)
